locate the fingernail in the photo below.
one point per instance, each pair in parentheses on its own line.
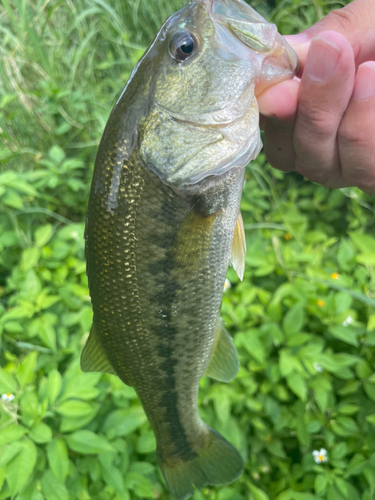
(365,81)
(322,59)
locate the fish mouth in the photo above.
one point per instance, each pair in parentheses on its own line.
(235,17)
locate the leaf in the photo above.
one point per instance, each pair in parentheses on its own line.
(339,451)
(285,363)
(345,333)
(297,385)
(74,408)
(7,382)
(113,477)
(43,234)
(12,433)
(26,370)
(30,258)
(140,485)
(320,484)
(58,458)
(124,421)
(19,470)
(294,319)
(371,419)
(9,452)
(257,493)
(146,443)
(56,154)
(364,242)
(87,442)
(12,199)
(41,433)
(54,384)
(53,488)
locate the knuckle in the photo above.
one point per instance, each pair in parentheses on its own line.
(345,19)
(314,123)
(354,137)
(322,177)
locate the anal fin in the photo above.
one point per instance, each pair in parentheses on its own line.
(93,358)
(224,364)
(237,258)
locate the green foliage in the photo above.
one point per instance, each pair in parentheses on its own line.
(303,319)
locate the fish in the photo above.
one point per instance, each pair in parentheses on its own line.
(164,223)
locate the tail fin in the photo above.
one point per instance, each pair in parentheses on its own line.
(217,462)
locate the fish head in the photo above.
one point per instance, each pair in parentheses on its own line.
(214,58)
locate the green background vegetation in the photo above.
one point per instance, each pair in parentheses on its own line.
(303,319)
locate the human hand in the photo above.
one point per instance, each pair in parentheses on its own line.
(323,126)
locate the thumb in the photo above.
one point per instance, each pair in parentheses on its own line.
(355,21)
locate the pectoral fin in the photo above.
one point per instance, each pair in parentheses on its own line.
(193,240)
(224,362)
(237,258)
(93,358)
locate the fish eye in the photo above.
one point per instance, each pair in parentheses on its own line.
(183,45)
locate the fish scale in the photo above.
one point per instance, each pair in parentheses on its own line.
(163,223)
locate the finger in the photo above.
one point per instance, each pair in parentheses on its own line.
(325,91)
(356,138)
(278,144)
(278,106)
(355,21)
(280,101)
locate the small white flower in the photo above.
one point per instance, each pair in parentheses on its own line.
(317,367)
(349,320)
(7,396)
(227,285)
(320,456)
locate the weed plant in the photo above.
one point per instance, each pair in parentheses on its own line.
(303,319)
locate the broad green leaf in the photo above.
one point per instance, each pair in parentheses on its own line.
(140,485)
(371,419)
(294,319)
(43,234)
(53,386)
(123,422)
(58,458)
(56,154)
(10,451)
(364,242)
(41,433)
(12,199)
(113,477)
(19,470)
(26,370)
(53,488)
(297,384)
(257,493)
(345,333)
(74,408)
(12,433)
(30,258)
(7,382)
(320,484)
(86,442)
(146,443)
(339,451)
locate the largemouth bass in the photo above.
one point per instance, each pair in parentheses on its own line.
(163,223)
